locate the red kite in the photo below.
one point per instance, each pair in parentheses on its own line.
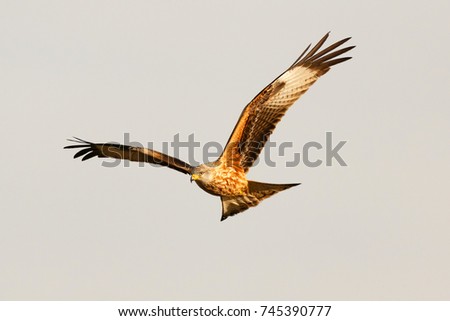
(226,177)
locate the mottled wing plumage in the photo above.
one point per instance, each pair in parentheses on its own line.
(262,114)
(135,154)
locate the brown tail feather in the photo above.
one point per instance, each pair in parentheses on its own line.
(232,205)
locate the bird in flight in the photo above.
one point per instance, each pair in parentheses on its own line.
(226,177)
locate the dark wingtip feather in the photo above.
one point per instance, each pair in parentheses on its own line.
(89,155)
(316,47)
(300,57)
(328,51)
(331,55)
(335,61)
(75,146)
(81,143)
(321,58)
(82,152)
(78,140)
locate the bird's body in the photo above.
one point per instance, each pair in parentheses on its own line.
(221,180)
(226,177)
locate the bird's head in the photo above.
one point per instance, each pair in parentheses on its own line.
(202,173)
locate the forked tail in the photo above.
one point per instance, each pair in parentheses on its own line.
(232,205)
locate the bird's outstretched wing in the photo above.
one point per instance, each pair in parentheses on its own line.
(135,154)
(261,115)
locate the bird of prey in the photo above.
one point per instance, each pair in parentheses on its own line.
(226,177)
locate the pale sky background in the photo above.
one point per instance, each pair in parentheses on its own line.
(378,229)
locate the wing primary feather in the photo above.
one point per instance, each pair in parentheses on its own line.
(82,152)
(328,49)
(89,156)
(78,140)
(331,55)
(333,62)
(299,58)
(316,47)
(75,146)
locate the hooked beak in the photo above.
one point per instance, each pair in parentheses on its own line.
(194,177)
